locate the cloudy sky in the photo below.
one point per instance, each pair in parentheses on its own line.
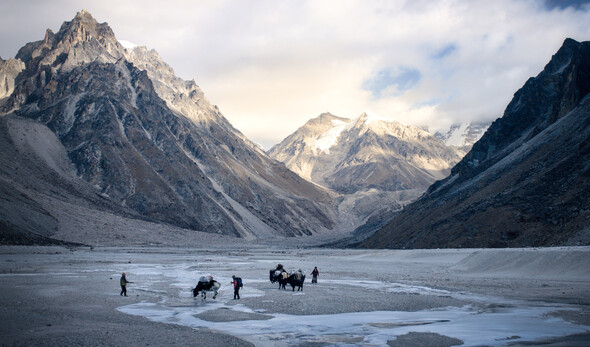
(272,65)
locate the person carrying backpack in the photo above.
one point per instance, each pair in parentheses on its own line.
(237,282)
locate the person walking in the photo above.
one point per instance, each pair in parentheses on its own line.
(124,285)
(237,282)
(314,275)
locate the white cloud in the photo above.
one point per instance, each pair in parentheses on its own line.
(272,65)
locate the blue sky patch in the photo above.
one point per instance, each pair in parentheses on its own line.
(448,49)
(563,4)
(402,78)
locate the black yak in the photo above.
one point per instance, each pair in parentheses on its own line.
(204,287)
(296,280)
(279,276)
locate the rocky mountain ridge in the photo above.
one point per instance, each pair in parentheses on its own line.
(147,142)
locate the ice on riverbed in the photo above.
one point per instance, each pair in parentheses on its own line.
(473,325)
(467,324)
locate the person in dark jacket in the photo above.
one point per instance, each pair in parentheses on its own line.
(124,285)
(236,282)
(314,275)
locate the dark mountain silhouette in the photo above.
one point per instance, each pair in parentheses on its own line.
(526,182)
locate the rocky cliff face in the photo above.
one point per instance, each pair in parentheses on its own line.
(151,142)
(525,183)
(9,69)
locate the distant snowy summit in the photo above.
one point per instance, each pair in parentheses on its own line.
(369,152)
(463,135)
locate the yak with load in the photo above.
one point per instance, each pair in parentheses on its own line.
(206,284)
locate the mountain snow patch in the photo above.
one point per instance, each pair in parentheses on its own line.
(457,137)
(127,44)
(329,138)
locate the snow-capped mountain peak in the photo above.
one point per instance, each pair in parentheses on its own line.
(327,146)
(375,164)
(381,126)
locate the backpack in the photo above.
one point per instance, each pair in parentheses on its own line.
(239,282)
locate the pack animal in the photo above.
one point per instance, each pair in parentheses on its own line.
(279,276)
(296,280)
(204,287)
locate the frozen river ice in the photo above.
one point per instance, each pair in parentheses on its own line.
(475,319)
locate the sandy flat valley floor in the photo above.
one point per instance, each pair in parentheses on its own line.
(55,296)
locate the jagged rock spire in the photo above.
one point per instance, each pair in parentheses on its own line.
(79,41)
(85,28)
